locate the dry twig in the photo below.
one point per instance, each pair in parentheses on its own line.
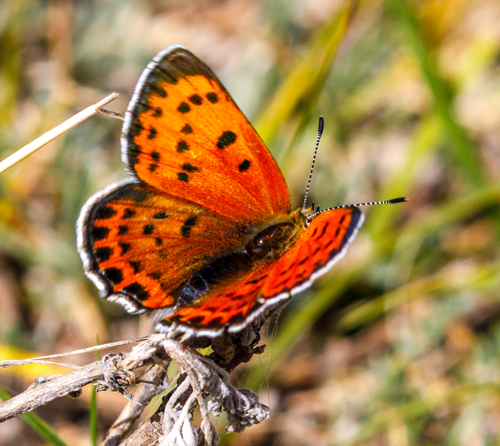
(38,143)
(204,382)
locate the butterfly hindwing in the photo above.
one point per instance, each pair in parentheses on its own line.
(184,135)
(237,303)
(231,306)
(319,247)
(139,245)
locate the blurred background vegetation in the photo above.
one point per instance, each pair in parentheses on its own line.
(400,343)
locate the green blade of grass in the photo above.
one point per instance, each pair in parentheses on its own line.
(423,143)
(420,406)
(93,417)
(301,89)
(38,425)
(462,150)
(477,277)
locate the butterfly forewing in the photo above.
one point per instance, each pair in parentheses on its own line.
(184,135)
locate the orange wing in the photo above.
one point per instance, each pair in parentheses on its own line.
(184,135)
(138,245)
(235,304)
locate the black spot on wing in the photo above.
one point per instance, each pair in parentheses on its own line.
(104,212)
(114,275)
(155,156)
(182,146)
(325,227)
(137,290)
(187,226)
(148,229)
(152,133)
(183,108)
(195,99)
(187,129)
(244,165)
(195,320)
(125,247)
(122,230)
(99,232)
(135,265)
(103,253)
(128,213)
(189,167)
(254,281)
(238,297)
(226,139)
(212,97)
(160,215)
(182,176)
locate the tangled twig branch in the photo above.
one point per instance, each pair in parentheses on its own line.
(203,382)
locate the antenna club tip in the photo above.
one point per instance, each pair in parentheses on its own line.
(398,200)
(320,125)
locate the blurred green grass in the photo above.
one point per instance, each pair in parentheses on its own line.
(399,344)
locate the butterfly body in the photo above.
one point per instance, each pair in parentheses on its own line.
(202,237)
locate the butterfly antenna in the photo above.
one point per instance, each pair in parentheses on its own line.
(320,132)
(370,203)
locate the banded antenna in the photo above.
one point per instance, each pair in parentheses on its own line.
(320,132)
(318,211)
(370,203)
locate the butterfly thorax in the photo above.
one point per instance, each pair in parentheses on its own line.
(276,238)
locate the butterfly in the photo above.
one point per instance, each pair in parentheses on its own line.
(202,236)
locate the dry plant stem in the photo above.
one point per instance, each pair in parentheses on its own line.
(43,359)
(188,362)
(133,410)
(172,425)
(111,114)
(58,386)
(54,133)
(46,391)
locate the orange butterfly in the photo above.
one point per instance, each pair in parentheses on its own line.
(202,237)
